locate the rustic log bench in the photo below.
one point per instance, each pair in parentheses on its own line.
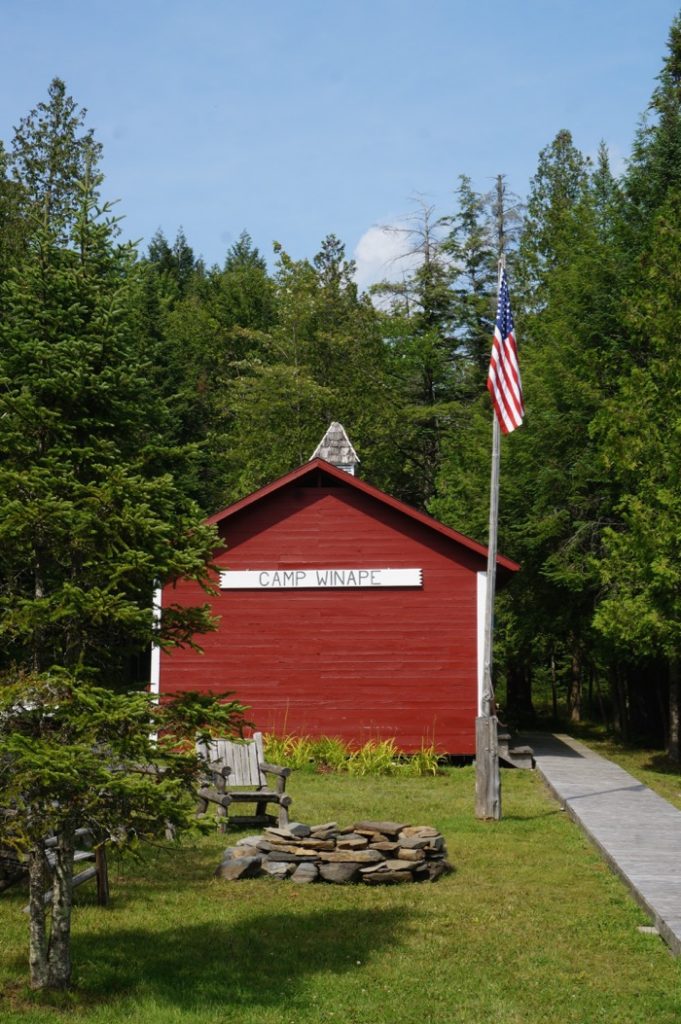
(237,773)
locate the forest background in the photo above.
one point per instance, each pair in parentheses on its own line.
(227,376)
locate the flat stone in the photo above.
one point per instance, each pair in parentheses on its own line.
(328,826)
(352,842)
(240,867)
(387,828)
(267,847)
(422,831)
(342,873)
(329,834)
(352,856)
(385,846)
(370,868)
(297,829)
(278,834)
(402,865)
(249,841)
(305,873)
(412,855)
(278,868)
(412,843)
(311,843)
(436,844)
(388,877)
(239,851)
(317,844)
(307,857)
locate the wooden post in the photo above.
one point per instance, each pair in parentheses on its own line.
(487,782)
(102,876)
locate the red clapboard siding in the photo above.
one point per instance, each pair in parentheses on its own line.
(359,664)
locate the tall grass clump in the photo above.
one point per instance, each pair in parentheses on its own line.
(288,751)
(332,754)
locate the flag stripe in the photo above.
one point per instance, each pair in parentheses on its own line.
(503,380)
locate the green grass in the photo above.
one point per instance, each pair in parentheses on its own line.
(531,927)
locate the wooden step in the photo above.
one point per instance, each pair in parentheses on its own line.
(517,757)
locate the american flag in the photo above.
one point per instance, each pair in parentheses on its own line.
(503,380)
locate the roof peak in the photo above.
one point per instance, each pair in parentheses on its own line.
(335,447)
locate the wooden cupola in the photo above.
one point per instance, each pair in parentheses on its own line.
(335,448)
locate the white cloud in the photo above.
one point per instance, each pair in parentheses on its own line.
(618,162)
(382,254)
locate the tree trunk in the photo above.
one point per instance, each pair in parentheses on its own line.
(62,897)
(518,690)
(575,699)
(620,702)
(674,740)
(37,940)
(554,688)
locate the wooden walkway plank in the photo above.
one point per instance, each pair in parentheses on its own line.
(638,833)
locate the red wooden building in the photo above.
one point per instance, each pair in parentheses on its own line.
(343,612)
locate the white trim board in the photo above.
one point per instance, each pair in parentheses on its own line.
(318,579)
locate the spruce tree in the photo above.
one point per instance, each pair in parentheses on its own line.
(91,521)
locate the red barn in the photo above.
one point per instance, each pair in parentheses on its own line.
(342,612)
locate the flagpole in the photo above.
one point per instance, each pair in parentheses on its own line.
(487,776)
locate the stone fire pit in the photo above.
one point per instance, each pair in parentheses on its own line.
(370,852)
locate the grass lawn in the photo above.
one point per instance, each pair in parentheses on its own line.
(532,927)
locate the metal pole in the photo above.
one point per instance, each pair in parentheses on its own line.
(487,685)
(487,777)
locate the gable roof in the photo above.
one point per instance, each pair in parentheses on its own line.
(352,482)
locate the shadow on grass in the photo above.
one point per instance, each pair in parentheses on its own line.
(261,961)
(661,764)
(552,813)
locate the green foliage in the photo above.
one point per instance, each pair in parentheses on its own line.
(655,170)
(52,153)
(640,433)
(73,755)
(76,755)
(90,517)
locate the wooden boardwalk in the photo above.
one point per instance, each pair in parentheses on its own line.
(638,832)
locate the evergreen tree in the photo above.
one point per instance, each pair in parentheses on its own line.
(76,756)
(12,224)
(472,247)
(51,154)
(89,519)
(176,265)
(640,430)
(655,166)
(424,358)
(555,493)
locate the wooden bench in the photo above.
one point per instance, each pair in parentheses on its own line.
(237,773)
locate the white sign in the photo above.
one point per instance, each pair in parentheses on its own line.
(305,579)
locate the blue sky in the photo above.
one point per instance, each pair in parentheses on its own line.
(293,120)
